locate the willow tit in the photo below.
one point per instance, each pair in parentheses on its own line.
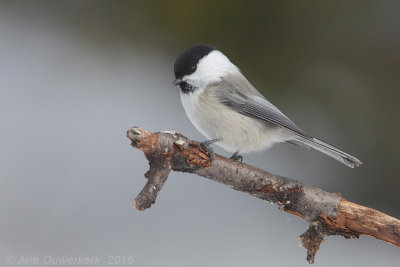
(224,106)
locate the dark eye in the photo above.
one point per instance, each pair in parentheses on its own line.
(193,68)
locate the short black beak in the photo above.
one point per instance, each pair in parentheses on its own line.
(177,81)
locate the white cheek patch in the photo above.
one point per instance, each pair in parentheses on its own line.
(211,68)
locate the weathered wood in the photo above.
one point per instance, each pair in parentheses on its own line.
(328,213)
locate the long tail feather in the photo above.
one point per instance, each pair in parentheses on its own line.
(328,150)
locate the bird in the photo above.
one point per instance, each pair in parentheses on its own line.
(229,111)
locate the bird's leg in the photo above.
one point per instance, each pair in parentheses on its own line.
(236,156)
(206,145)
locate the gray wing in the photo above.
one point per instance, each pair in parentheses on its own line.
(248,101)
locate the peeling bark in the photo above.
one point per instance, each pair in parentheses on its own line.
(327,213)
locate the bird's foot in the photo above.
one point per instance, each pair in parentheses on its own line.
(206,145)
(236,156)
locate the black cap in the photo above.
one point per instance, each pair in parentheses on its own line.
(187,61)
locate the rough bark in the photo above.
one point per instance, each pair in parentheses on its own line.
(327,213)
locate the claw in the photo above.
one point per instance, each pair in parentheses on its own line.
(206,145)
(236,156)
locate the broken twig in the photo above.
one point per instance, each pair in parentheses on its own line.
(327,213)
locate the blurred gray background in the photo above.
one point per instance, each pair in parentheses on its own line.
(75,75)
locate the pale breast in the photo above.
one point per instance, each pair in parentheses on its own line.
(214,120)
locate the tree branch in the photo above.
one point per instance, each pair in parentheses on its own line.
(328,213)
